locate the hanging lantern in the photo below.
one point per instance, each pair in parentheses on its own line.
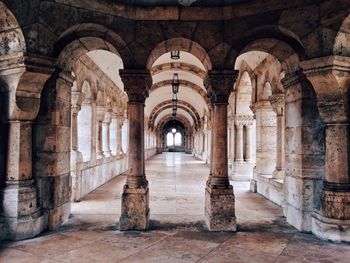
(174,101)
(175,55)
(175,83)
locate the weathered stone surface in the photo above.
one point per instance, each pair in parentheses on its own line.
(220,209)
(135,209)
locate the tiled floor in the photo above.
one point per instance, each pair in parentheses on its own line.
(177,232)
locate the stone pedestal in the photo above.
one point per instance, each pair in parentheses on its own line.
(219,197)
(220,209)
(135,209)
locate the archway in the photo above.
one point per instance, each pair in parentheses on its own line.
(90,90)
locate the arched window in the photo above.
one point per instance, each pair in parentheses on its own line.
(178,139)
(169,139)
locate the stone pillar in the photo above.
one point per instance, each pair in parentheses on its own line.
(106,137)
(135,197)
(304,152)
(265,138)
(277,103)
(76,156)
(100,116)
(330,77)
(219,197)
(120,120)
(239,142)
(248,143)
(74,139)
(20,210)
(52,137)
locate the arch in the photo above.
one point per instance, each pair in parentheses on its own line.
(164,108)
(341,44)
(178,66)
(266,92)
(180,44)
(85,124)
(244,94)
(186,83)
(169,117)
(178,139)
(166,104)
(82,38)
(11,35)
(280,42)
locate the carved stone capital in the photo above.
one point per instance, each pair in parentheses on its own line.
(243,120)
(100,113)
(261,105)
(330,77)
(77,99)
(219,84)
(277,103)
(137,83)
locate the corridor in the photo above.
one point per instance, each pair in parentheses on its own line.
(177,230)
(177,192)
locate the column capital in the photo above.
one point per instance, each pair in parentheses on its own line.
(243,120)
(277,103)
(100,113)
(76,101)
(137,83)
(261,105)
(219,84)
(107,117)
(330,77)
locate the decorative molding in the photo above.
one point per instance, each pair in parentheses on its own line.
(219,84)
(137,83)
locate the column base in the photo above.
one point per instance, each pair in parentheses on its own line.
(326,228)
(135,209)
(24,227)
(220,209)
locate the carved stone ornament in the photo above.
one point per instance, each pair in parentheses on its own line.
(219,84)
(137,83)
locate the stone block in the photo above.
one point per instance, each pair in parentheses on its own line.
(220,209)
(58,215)
(135,209)
(54,190)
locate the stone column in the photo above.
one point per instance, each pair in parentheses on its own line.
(219,197)
(21,211)
(74,139)
(76,156)
(330,77)
(248,143)
(120,121)
(277,103)
(100,116)
(106,141)
(265,138)
(239,141)
(135,197)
